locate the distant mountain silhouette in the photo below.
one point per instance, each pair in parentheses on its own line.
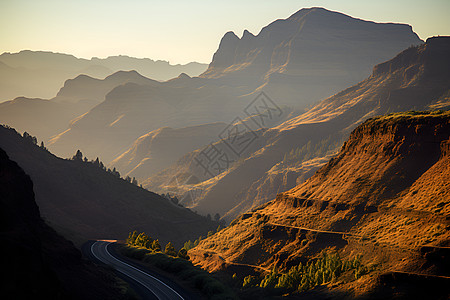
(83,201)
(40,74)
(132,110)
(38,262)
(87,89)
(308,56)
(45,118)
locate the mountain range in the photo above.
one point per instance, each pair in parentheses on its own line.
(46,118)
(40,74)
(416,79)
(323,142)
(282,61)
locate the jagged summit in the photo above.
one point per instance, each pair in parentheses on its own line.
(247,34)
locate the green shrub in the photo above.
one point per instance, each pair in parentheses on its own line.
(324,269)
(183,269)
(250,281)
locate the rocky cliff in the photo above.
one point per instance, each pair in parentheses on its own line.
(385,197)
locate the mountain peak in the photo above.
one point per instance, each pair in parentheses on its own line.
(230,35)
(125,75)
(309,36)
(183,76)
(247,34)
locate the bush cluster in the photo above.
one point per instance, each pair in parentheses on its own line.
(326,268)
(200,279)
(143,241)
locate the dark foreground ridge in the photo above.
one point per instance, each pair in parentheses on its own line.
(37,262)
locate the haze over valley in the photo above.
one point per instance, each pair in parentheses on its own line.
(308,159)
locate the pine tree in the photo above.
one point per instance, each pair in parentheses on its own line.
(183,254)
(170,249)
(78,156)
(156,246)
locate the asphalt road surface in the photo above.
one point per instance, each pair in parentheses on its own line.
(157,289)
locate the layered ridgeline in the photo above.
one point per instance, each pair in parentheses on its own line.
(37,262)
(297,61)
(282,157)
(84,201)
(41,74)
(384,198)
(160,148)
(48,117)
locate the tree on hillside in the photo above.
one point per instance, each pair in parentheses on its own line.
(131,238)
(30,138)
(156,246)
(97,162)
(183,254)
(78,156)
(170,249)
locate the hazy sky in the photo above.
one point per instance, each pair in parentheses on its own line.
(179,31)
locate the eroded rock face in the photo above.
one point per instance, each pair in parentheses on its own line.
(381,158)
(384,196)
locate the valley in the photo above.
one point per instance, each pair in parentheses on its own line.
(308,159)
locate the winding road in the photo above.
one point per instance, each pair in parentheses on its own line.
(157,289)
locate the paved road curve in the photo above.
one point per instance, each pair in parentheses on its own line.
(159,289)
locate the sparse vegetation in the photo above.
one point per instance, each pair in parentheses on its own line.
(310,150)
(138,246)
(416,114)
(324,269)
(189,244)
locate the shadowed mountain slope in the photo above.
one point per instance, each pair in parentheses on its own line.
(131,110)
(84,201)
(37,262)
(161,148)
(46,118)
